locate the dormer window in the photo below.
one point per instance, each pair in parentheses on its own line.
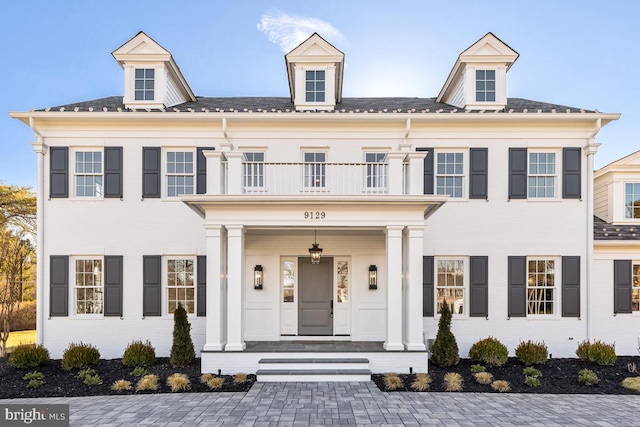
(315,86)
(144,84)
(632,200)
(485,85)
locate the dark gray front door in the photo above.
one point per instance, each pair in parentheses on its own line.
(315,307)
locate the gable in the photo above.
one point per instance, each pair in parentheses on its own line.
(489,48)
(141,48)
(314,46)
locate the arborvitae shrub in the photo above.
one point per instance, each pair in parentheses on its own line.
(28,356)
(139,353)
(444,351)
(532,353)
(182,351)
(79,356)
(597,352)
(489,351)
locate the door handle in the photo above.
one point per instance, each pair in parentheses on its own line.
(331,308)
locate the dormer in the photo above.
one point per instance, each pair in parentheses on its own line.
(315,71)
(478,80)
(617,191)
(152,78)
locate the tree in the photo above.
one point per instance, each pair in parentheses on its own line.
(17,207)
(445,348)
(182,352)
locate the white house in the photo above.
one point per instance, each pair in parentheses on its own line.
(472,199)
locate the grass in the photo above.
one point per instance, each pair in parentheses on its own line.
(21,337)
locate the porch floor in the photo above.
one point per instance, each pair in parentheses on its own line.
(314,346)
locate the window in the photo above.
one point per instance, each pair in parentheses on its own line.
(89,290)
(632,200)
(485,85)
(288,281)
(635,287)
(449,174)
(179,173)
(181,284)
(315,83)
(88,175)
(541,282)
(144,84)
(376,173)
(542,175)
(450,285)
(253,170)
(314,170)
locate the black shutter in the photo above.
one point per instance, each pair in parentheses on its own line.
(571,176)
(201,170)
(151,285)
(151,172)
(622,286)
(427,286)
(570,286)
(113,285)
(517,286)
(478,169)
(517,173)
(202,286)
(479,284)
(59,286)
(58,172)
(113,172)
(428,170)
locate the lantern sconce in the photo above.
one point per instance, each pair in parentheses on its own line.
(257,277)
(373,277)
(315,251)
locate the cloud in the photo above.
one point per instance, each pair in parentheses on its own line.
(289,31)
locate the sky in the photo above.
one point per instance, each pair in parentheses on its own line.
(579,53)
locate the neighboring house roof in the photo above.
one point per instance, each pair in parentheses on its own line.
(604,231)
(350,105)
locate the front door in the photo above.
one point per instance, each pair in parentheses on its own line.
(315,306)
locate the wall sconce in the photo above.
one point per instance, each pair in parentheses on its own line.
(257,277)
(315,250)
(373,277)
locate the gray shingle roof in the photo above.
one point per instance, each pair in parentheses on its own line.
(351,105)
(605,231)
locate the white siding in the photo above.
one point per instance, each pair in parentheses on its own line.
(173,95)
(601,199)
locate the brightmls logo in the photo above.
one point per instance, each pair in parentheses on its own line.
(34,415)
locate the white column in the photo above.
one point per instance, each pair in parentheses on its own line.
(416,172)
(215,179)
(41,149)
(413,314)
(235,281)
(216,320)
(234,172)
(590,150)
(394,288)
(395,172)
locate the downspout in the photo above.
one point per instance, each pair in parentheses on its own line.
(40,148)
(591,149)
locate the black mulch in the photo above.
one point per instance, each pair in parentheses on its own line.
(558,376)
(58,382)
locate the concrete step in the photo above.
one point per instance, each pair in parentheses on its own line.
(314,363)
(313,369)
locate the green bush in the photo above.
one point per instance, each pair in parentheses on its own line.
(476,369)
(532,353)
(139,353)
(444,351)
(35,375)
(588,377)
(597,352)
(489,351)
(79,356)
(28,356)
(182,351)
(530,371)
(532,381)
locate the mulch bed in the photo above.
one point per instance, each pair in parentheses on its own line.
(58,382)
(558,376)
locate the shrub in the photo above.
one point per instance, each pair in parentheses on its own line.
(79,356)
(86,372)
(33,376)
(28,356)
(92,379)
(215,383)
(597,352)
(501,386)
(240,378)
(138,371)
(532,353)
(392,381)
(178,382)
(182,352)
(477,368)
(35,383)
(148,382)
(632,383)
(422,382)
(121,385)
(489,351)
(588,377)
(444,351)
(531,372)
(453,381)
(204,378)
(483,377)
(139,353)
(532,381)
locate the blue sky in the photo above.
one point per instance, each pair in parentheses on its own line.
(578,53)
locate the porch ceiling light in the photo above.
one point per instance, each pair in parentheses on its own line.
(315,251)
(257,277)
(373,277)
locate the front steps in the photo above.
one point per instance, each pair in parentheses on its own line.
(313,369)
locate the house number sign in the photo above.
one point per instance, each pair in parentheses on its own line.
(314,215)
